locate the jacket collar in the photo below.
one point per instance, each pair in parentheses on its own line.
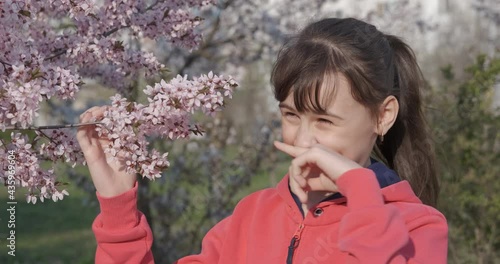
(393,189)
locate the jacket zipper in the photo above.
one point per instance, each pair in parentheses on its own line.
(294,243)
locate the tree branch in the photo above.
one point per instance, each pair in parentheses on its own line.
(5,63)
(61,52)
(105,34)
(151,6)
(4,146)
(46,136)
(52,126)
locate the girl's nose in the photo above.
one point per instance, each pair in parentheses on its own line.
(305,137)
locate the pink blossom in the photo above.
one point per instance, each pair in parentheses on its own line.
(168,115)
(41,61)
(61,146)
(28,173)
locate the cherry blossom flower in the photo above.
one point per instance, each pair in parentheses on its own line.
(28,173)
(48,47)
(168,115)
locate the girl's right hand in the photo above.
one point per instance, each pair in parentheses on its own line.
(110,178)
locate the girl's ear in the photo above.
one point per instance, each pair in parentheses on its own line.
(387,115)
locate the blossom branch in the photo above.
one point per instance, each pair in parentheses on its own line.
(51,126)
(105,35)
(46,64)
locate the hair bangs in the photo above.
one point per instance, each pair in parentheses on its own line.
(315,92)
(304,70)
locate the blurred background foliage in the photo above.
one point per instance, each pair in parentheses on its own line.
(457,44)
(467,131)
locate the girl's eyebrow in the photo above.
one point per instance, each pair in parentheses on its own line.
(286,106)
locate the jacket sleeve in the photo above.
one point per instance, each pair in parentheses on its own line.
(374,232)
(123,234)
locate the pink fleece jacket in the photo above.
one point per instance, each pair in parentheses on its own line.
(388,225)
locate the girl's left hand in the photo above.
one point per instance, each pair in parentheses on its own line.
(330,164)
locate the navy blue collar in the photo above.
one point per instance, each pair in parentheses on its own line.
(385,177)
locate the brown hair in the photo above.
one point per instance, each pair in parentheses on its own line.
(376,66)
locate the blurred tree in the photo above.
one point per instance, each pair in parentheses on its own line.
(468,147)
(463,32)
(489,8)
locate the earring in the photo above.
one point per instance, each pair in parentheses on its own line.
(381,138)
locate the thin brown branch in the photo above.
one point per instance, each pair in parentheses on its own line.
(108,33)
(46,136)
(152,5)
(4,146)
(51,126)
(5,63)
(57,54)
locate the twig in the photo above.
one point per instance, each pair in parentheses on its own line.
(61,52)
(5,63)
(152,5)
(111,31)
(3,144)
(46,136)
(52,126)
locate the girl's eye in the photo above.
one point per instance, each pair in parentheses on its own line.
(325,121)
(290,116)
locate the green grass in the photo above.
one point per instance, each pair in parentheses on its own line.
(50,232)
(262,180)
(61,232)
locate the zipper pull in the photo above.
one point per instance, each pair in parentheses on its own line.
(294,243)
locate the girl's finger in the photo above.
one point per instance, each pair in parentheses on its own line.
(302,196)
(91,114)
(99,112)
(318,184)
(84,132)
(85,117)
(90,110)
(301,193)
(304,164)
(295,184)
(296,175)
(325,162)
(289,149)
(301,162)
(302,176)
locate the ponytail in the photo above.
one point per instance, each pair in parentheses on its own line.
(407,145)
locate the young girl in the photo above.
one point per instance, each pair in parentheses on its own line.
(345,91)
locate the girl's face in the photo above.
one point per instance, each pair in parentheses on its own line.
(348,127)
